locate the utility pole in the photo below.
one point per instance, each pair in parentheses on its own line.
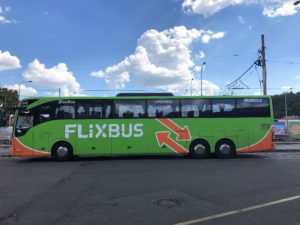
(204,63)
(263,64)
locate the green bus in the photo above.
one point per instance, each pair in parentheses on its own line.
(141,124)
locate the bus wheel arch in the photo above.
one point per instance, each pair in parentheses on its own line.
(225,148)
(199,149)
(62,151)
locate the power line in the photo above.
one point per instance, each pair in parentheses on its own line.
(283,62)
(235,82)
(228,55)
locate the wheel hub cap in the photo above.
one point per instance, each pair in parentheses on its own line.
(62,151)
(225,148)
(199,149)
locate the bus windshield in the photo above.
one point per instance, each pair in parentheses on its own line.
(24,122)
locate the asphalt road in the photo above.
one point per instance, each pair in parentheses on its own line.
(152,190)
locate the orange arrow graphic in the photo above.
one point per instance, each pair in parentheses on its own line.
(182,133)
(164,138)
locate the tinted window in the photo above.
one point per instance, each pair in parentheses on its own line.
(195,108)
(92,109)
(65,109)
(253,107)
(44,112)
(163,108)
(24,122)
(130,108)
(223,107)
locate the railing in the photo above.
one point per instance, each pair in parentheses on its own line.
(5,141)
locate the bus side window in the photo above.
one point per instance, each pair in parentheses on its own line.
(130,108)
(163,108)
(65,112)
(195,108)
(253,107)
(107,112)
(92,109)
(189,108)
(223,107)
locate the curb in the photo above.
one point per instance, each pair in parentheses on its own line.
(287,150)
(287,143)
(5,155)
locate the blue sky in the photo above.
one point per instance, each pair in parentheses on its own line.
(153,45)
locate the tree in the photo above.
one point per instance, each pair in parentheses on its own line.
(8,99)
(293,104)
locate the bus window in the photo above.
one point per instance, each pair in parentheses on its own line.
(92,109)
(223,107)
(130,108)
(44,113)
(253,107)
(24,122)
(195,108)
(65,112)
(163,108)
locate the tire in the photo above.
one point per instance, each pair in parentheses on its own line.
(62,151)
(199,149)
(225,149)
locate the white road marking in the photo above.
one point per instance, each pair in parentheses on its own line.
(203,219)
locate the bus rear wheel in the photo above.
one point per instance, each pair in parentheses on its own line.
(225,149)
(199,149)
(62,151)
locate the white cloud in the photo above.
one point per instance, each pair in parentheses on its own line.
(24,91)
(208,88)
(52,78)
(3,19)
(286,9)
(241,20)
(297,77)
(257,93)
(161,60)
(272,8)
(8,62)
(210,35)
(200,55)
(7,9)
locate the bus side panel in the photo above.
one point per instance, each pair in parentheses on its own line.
(92,137)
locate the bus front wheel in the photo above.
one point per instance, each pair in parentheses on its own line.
(199,149)
(62,151)
(225,149)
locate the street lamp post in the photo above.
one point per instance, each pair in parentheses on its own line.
(23,82)
(285,105)
(204,63)
(286,112)
(191,92)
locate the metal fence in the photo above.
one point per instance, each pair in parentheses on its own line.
(287,130)
(5,135)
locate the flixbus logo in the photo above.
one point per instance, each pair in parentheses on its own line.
(104,130)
